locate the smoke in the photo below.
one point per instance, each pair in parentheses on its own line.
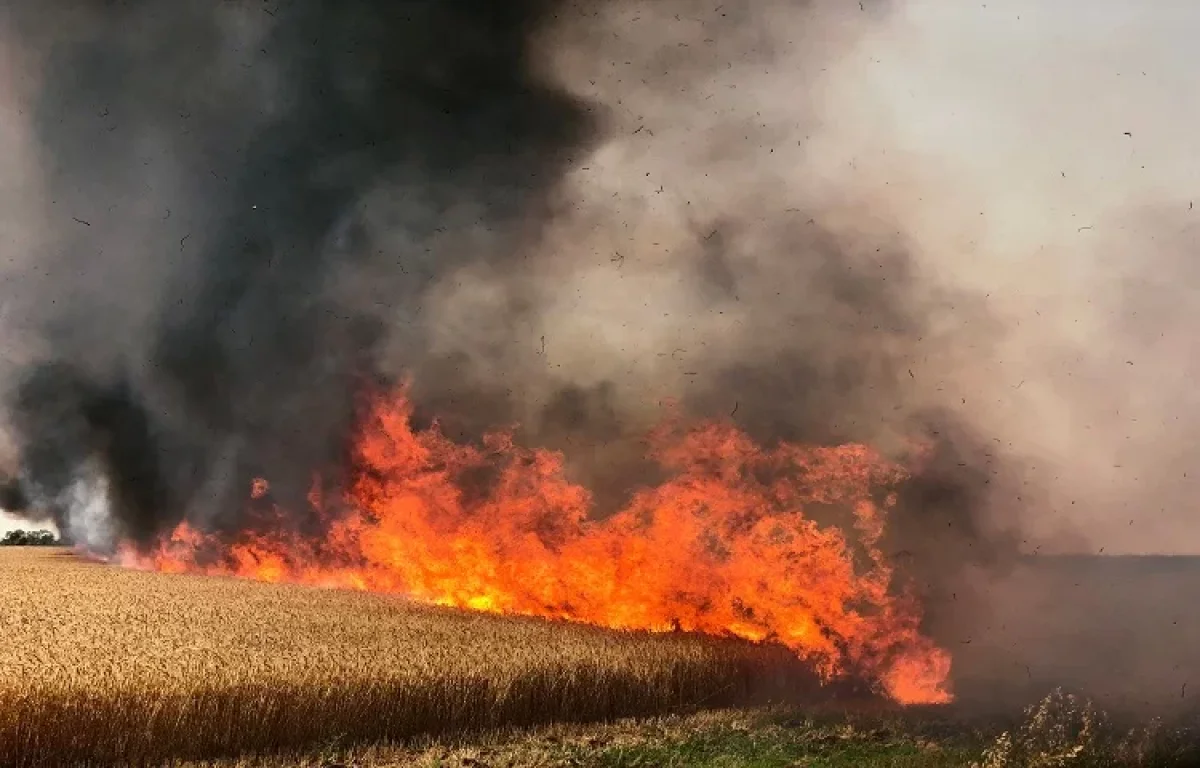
(827,221)
(240,204)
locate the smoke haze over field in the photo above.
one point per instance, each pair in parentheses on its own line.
(833,223)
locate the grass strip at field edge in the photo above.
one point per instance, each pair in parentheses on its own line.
(763,738)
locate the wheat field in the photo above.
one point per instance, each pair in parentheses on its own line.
(100,665)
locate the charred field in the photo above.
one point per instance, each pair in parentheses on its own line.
(1117,628)
(109,666)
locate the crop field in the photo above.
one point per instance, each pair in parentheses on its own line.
(109,665)
(102,666)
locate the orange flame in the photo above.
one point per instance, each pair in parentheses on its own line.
(726,546)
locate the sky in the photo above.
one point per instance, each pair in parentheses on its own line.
(9,523)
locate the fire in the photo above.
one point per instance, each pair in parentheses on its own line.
(727,546)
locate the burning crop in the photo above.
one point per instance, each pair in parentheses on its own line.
(729,544)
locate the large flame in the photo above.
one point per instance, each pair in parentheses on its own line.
(726,546)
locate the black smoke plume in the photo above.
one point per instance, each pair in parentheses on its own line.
(218,349)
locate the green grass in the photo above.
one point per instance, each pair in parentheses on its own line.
(720,739)
(779,747)
(1061,731)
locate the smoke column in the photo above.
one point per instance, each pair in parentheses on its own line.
(213,273)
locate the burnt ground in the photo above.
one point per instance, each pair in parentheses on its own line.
(1124,630)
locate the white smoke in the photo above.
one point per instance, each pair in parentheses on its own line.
(88,506)
(1035,162)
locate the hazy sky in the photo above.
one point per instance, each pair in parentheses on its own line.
(1048,155)
(8,523)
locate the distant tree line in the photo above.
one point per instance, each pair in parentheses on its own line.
(19,538)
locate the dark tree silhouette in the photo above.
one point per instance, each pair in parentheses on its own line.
(20,538)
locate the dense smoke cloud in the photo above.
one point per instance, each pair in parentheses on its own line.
(210,277)
(552,216)
(555,215)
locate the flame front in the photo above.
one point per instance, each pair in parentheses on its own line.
(726,546)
